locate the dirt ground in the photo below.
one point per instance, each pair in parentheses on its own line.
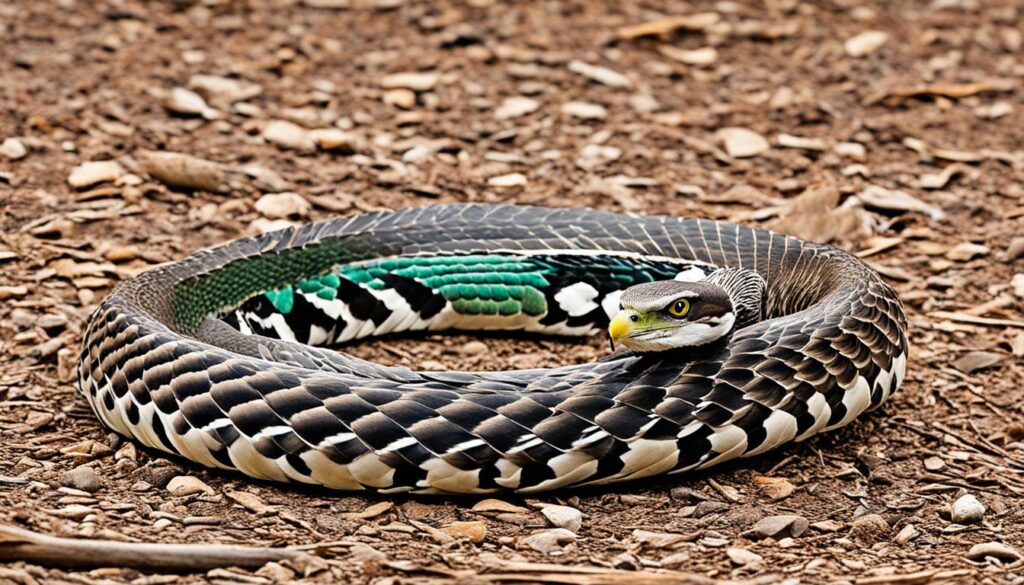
(917,133)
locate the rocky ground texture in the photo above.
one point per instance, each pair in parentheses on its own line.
(132,133)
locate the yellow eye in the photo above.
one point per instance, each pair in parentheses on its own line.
(679,308)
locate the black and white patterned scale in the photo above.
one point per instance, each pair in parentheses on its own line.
(833,345)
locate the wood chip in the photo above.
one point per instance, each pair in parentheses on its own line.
(250,502)
(965,251)
(602,75)
(664,26)
(951,91)
(415,81)
(865,43)
(790,141)
(370,512)
(742,142)
(12,292)
(702,57)
(184,171)
(493,505)
(940,180)
(964,318)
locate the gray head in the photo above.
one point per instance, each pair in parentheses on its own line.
(663,315)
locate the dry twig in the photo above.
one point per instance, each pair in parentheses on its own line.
(18,544)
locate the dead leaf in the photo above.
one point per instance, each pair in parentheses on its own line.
(775,488)
(370,512)
(439,536)
(977,360)
(250,502)
(894,200)
(813,215)
(667,540)
(878,244)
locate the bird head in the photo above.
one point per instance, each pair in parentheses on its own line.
(664,315)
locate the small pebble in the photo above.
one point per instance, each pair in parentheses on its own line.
(186,485)
(585,110)
(549,541)
(854,150)
(506,181)
(283,205)
(602,75)
(742,142)
(996,550)
(400,98)
(288,135)
(787,525)
(12,292)
(75,511)
(475,348)
(82,478)
(565,517)
(335,140)
(701,57)
(743,557)
(13,149)
(514,107)
(475,531)
(90,173)
(709,507)
(870,528)
(1015,249)
(934,463)
(965,251)
(865,43)
(908,533)
(225,89)
(416,81)
(188,103)
(966,510)
(801,142)
(593,156)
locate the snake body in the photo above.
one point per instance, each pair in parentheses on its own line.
(214,357)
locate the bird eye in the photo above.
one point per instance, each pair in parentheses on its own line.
(679,308)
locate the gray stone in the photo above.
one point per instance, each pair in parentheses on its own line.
(565,517)
(82,478)
(966,510)
(787,525)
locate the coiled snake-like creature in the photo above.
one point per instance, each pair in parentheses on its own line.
(732,341)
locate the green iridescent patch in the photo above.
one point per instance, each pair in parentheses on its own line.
(474,285)
(283,299)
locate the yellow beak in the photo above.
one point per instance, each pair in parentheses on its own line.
(619,327)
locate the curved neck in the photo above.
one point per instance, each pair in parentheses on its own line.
(746,290)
